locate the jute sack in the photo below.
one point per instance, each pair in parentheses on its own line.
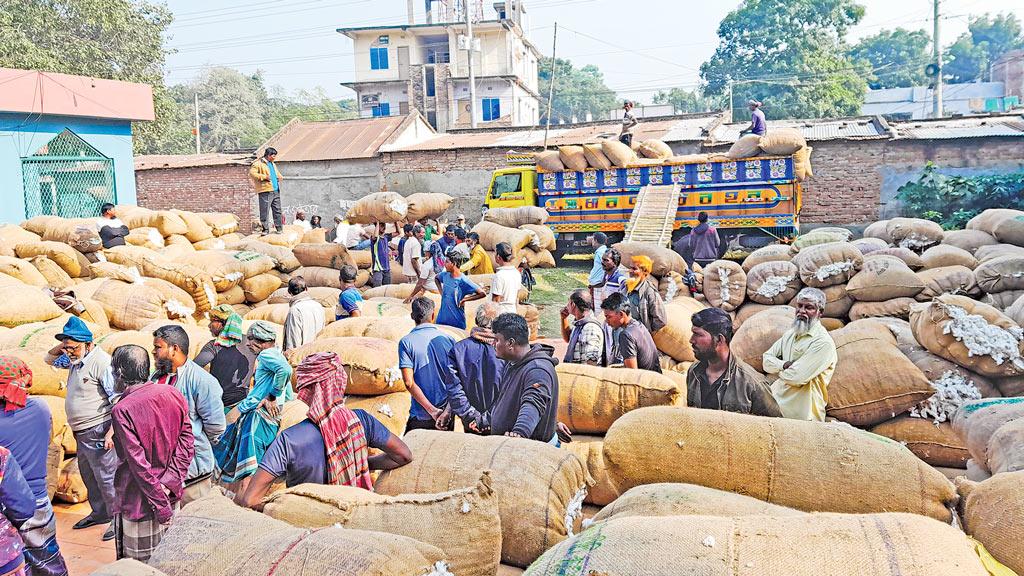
(55,276)
(214,537)
(945,255)
(769,253)
(287,238)
(883,278)
(865,392)
(538,259)
(400,291)
(378,207)
(947,280)
(427,205)
(1004,224)
(389,307)
(25,304)
(47,381)
(111,270)
(895,308)
(595,157)
(963,419)
(11,235)
(549,161)
(176,302)
(276,313)
(782,141)
(828,264)
(393,329)
(59,430)
(198,229)
(220,223)
(62,254)
(233,296)
(132,256)
(758,332)
(572,157)
(168,223)
(324,255)
(70,486)
(969,240)
(371,363)
(545,236)
(997,250)
(909,257)
(314,236)
(1006,447)
(669,499)
(993,513)
(540,488)
(37,336)
(284,259)
(450,520)
(810,466)
(224,269)
(146,238)
(819,236)
(590,398)
(674,338)
(936,444)
(914,233)
(590,451)
(130,306)
(775,282)
(253,263)
(361,258)
(746,147)
(725,284)
(177,240)
(127,567)
(319,276)
(655,148)
(690,159)
(970,333)
(878,229)
(78,233)
(135,216)
(1016,311)
(1000,274)
(663,259)
(869,245)
(260,287)
(516,217)
(983,425)
(391,409)
(767,546)
(195,281)
(491,234)
(618,153)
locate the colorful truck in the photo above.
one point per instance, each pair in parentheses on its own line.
(752,201)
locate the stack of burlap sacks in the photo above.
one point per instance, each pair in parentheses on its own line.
(524,229)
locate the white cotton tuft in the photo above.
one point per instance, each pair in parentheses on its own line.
(723,275)
(773,286)
(834,269)
(574,509)
(984,339)
(952,389)
(709,542)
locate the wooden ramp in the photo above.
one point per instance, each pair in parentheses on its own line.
(654,215)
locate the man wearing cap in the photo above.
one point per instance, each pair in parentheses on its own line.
(758,124)
(719,380)
(89,398)
(460,221)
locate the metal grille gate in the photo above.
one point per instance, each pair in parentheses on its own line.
(67,177)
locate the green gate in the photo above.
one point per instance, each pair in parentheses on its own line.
(67,177)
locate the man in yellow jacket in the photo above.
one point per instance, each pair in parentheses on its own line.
(479,262)
(803,359)
(266,183)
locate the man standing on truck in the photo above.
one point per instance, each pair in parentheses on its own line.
(628,123)
(701,245)
(758,125)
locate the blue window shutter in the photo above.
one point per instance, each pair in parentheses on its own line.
(491,109)
(378,58)
(383,58)
(385,109)
(495,109)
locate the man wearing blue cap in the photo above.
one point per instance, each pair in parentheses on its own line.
(88,403)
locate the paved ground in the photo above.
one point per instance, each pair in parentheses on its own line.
(83,550)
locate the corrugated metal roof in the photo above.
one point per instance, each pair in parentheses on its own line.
(157,162)
(300,141)
(969,127)
(858,128)
(34,92)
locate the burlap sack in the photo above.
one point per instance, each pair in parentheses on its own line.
(669,499)
(130,306)
(253,263)
(690,159)
(391,307)
(449,520)
(192,279)
(746,147)
(969,240)
(427,205)
(820,236)
(947,280)
(595,157)
(11,235)
(224,269)
(540,488)
(549,161)
(318,276)
(883,278)
(393,329)
(132,256)
(982,427)
(168,222)
(276,313)
(516,217)
(895,308)
(970,333)
(378,207)
(725,284)
(177,240)
(260,287)
(769,253)
(127,567)
(220,223)
(491,234)
(674,338)
(146,237)
(869,245)
(773,283)
(55,276)
(60,432)
(770,460)
(314,236)
(70,486)
(399,291)
(538,258)
(545,236)
(758,332)
(945,255)
(1015,311)
(618,153)
(25,304)
(287,238)
(664,260)
(983,409)
(175,301)
(766,546)
(198,229)
(78,233)
(135,216)
(371,363)
(361,258)
(62,254)
(914,233)
(985,253)
(324,255)
(590,451)
(1006,447)
(782,141)
(47,381)
(284,259)
(993,513)
(38,336)
(391,409)
(214,537)
(999,274)
(1004,224)
(572,157)
(936,444)
(909,257)
(828,264)
(880,230)
(590,398)
(656,149)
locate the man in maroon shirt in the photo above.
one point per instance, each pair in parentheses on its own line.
(154,444)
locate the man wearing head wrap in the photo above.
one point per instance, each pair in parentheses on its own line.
(331,445)
(254,422)
(228,356)
(803,361)
(25,430)
(90,395)
(648,308)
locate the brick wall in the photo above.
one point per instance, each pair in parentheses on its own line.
(200,189)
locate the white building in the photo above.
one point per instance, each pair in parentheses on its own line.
(421,66)
(915,103)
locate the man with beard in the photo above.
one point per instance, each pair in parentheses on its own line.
(803,360)
(719,380)
(202,392)
(648,308)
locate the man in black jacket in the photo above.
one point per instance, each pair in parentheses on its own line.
(111,230)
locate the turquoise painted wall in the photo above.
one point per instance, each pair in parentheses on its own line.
(22,136)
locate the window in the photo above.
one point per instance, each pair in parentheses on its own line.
(382,109)
(492,109)
(378,58)
(506,183)
(430,81)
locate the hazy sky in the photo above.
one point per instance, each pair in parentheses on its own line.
(640,45)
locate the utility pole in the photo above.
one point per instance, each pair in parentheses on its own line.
(551,85)
(196,128)
(469,58)
(937,51)
(730,100)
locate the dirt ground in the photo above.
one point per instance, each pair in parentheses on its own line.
(552,292)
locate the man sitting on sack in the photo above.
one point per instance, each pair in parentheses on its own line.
(803,359)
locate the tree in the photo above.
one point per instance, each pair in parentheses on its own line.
(969,58)
(232,108)
(897,57)
(306,105)
(684,101)
(577,91)
(115,39)
(790,54)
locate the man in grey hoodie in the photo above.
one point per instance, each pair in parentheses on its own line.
(701,245)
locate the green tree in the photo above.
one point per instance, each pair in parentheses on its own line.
(115,39)
(232,108)
(306,105)
(684,101)
(897,57)
(577,91)
(969,58)
(790,54)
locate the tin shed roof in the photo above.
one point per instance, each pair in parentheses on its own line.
(1006,125)
(856,128)
(163,161)
(300,141)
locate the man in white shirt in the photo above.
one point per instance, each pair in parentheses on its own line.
(426,281)
(412,254)
(507,280)
(300,220)
(305,318)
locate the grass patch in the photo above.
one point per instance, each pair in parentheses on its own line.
(551,293)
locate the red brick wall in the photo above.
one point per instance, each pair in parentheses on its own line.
(200,189)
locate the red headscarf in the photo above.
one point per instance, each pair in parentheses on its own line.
(15,379)
(321,383)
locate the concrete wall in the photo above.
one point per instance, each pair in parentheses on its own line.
(201,189)
(463,174)
(21,137)
(327,187)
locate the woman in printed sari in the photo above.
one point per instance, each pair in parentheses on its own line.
(253,422)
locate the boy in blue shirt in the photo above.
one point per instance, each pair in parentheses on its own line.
(349,299)
(455,290)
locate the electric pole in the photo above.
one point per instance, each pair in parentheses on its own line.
(469,58)
(196,128)
(730,100)
(551,85)
(937,52)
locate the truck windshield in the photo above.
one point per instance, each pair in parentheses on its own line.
(506,183)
